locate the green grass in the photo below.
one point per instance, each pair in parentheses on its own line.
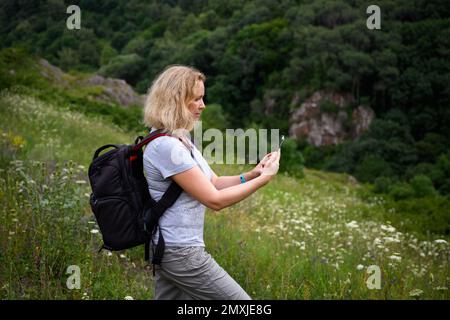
(293,239)
(23,73)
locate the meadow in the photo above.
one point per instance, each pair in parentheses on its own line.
(308,238)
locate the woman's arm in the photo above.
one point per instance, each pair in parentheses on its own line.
(223,182)
(195,183)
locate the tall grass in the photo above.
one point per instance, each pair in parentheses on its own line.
(315,239)
(310,238)
(46,223)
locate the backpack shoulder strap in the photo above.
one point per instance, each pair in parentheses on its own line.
(141,141)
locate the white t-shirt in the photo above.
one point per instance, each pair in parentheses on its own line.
(182,223)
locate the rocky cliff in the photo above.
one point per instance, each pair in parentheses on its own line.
(326,118)
(107,90)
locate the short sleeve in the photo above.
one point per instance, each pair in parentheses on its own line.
(169,156)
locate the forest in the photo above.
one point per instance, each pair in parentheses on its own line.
(261,55)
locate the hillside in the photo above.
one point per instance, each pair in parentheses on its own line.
(265,61)
(360,208)
(310,238)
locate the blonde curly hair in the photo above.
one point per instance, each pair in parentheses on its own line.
(166,105)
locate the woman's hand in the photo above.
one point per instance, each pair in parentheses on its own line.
(271,166)
(258,169)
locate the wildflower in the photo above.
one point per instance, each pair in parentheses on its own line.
(128,298)
(94,231)
(122,256)
(377,241)
(352,224)
(395,258)
(440,241)
(387,228)
(440,288)
(80,182)
(359,267)
(390,239)
(415,292)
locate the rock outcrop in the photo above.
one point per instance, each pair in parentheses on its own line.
(315,122)
(107,90)
(116,91)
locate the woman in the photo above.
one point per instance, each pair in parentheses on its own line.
(187,271)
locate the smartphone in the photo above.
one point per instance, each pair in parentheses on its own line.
(281,143)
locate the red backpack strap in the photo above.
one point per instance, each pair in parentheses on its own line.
(152,136)
(141,142)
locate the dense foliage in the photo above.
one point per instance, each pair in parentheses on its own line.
(258,55)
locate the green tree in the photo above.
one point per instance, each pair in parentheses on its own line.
(422,186)
(127,67)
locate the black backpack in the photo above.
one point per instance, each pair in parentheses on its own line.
(120,199)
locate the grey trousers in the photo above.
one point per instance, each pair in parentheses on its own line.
(190,273)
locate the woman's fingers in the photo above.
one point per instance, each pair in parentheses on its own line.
(271,167)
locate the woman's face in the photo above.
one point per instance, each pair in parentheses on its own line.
(197,105)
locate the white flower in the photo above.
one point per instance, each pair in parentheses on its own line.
(352,224)
(395,258)
(128,298)
(80,182)
(387,228)
(122,256)
(390,239)
(359,267)
(377,241)
(440,241)
(415,292)
(94,231)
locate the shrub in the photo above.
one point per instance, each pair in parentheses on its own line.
(422,186)
(371,167)
(429,214)
(382,185)
(292,160)
(127,67)
(402,190)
